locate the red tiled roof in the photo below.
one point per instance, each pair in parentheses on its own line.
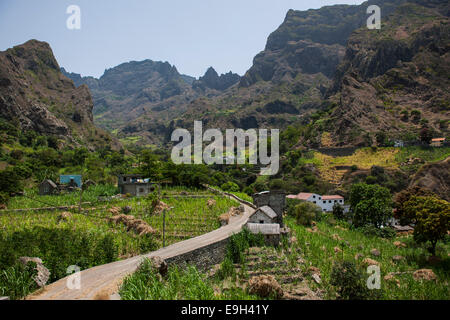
(303,196)
(438,139)
(333,197)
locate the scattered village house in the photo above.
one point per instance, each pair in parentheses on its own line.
(48,187)
(437,142)
(66,183)
(135,185)
(268,217)
(326,203)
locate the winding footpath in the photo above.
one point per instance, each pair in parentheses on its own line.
(102,282)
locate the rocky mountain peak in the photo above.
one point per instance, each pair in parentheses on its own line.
(212,80)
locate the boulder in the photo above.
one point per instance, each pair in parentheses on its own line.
(265,286)
(313,270)
(424,274)
(370,262)
(127,209)
(375,252)
(160,265)
(336,237)
(316,278)
(211,203)
(397,258)
(42,273)
(64,216)
(399,244)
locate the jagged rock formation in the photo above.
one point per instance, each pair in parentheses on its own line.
(359,80)
(395,79)
(36,96)
(142,98)
(211,80)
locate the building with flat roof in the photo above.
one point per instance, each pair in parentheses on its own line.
(135,184)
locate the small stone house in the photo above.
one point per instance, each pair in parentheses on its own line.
(276,200)
(135,185)
(268,217)
(88,183)
(270,231)
(263,215)
(48,187)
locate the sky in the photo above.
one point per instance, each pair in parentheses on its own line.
(190,34)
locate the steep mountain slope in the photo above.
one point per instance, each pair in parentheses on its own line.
(394,80)
(316,66)
(36,96)
(141,98)
(288,80)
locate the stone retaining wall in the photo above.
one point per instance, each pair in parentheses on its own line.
(203,258)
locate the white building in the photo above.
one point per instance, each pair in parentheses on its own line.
(325,202)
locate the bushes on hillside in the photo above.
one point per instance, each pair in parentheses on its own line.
(349,281)
(370,205)
(338,211)
(230,186)
(432,217)
(306,212)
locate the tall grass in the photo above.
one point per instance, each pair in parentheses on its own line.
(319,250)
(88,239)
(180,284)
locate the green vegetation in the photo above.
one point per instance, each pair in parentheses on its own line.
(187,282)
(89,239)
(306,212)
(319,250)
(370,205)
(179,284)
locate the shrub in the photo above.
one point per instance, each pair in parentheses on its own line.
(230,186)
(432,216)
(386,233)
(306,212)
(4,198)
(277,184)
(370,204)
(349,281)
(17,281)
(240,242)
(338,211)
(226,269)
(290,206)
(403,197)
(146,284)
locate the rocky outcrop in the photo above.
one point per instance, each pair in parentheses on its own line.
(42,273)
(386,76)
(35,95)
(434,177)
(212,80)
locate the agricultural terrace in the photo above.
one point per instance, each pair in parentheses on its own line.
(91,238)
(366,158)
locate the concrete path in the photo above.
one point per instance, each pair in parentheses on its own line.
(102,282)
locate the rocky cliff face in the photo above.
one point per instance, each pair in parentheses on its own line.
(37,96)
(316,65)
(212,80)
(142,98)
(395,79)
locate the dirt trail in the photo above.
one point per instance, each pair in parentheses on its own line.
(102,282)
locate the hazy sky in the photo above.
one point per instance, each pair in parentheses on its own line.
(190,34)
